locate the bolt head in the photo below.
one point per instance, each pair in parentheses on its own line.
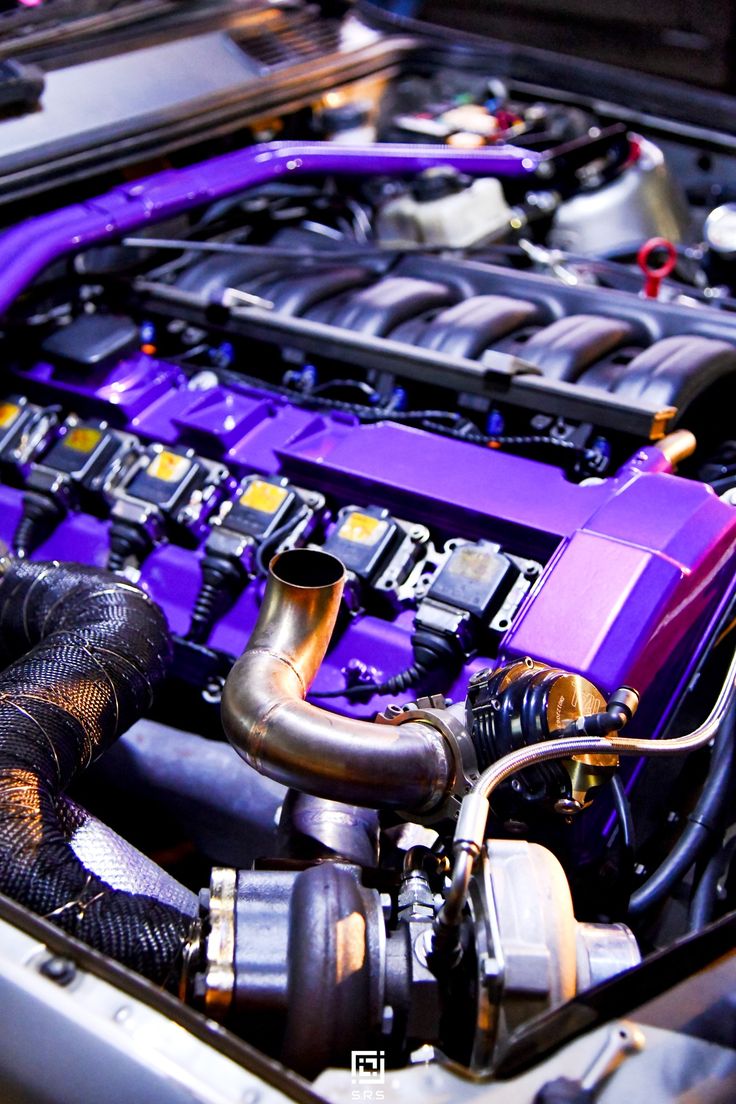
(567,806)
(59,969)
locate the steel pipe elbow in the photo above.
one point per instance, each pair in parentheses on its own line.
(275,730)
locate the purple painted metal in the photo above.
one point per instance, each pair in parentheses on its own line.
(457,487)
(639,566)
(29,247)
(120,393)
(144,395)
(643,560)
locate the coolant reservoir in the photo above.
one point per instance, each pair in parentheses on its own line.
(440,212)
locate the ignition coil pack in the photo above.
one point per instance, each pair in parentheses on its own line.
(364,539)
(79,472)
(25,430)
(167,494)
(379,551)
(261,506)
(475,593)
(266,513)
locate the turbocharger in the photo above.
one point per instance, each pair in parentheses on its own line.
(315,963)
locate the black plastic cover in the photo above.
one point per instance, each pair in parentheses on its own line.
(93,340)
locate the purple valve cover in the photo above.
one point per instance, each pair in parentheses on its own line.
(643,566)
(639,567)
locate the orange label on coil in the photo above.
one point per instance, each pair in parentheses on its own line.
(362,529)
(262,496)
(83,439)
(8,414)
(169,467)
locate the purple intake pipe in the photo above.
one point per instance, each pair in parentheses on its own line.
(28,248)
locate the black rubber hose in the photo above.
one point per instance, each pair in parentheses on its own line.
(703,827)
(703,903)
(705,897)
(91,650)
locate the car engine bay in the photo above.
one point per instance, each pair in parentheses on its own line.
(367,589)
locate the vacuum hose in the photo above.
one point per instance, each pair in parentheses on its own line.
(91,650)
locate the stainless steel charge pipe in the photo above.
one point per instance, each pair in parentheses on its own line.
(266,718)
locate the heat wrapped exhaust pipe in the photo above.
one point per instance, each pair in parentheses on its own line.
(301,745)
(91,650)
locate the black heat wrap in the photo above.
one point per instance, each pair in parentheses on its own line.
(91,650)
